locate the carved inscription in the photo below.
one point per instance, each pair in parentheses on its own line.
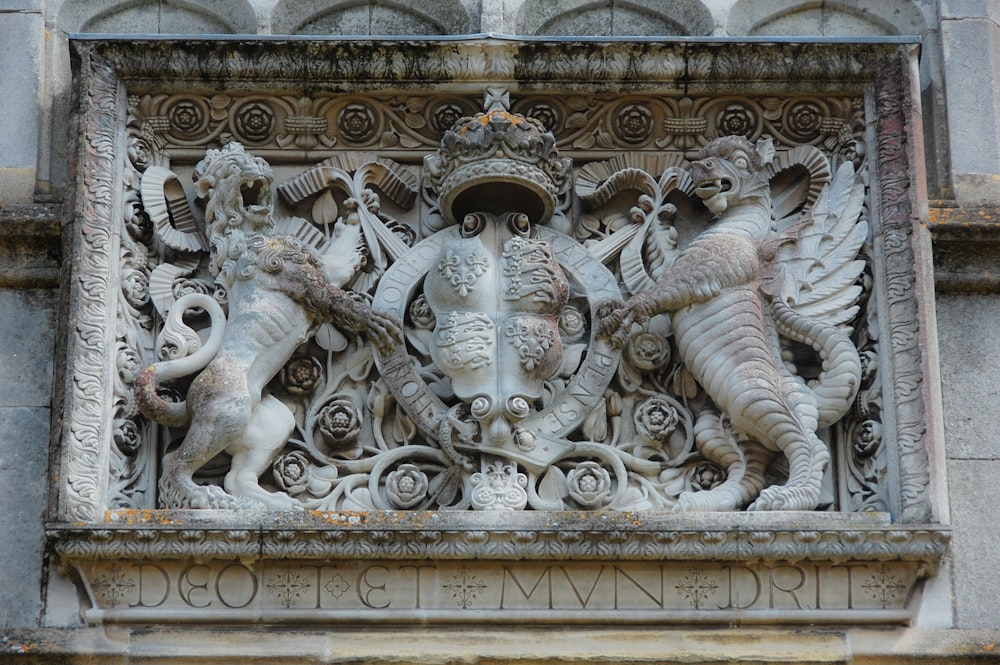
(130,590)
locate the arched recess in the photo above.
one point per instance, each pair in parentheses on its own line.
(613,18)
(371,17)
(159,17)
(828,18)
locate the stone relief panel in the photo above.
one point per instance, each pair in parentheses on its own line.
(415,300)
(500,373)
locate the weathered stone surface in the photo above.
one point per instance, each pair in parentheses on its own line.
(974,106)
(974,495)
(969,362)
(24,435)
(20,52)
(26,346)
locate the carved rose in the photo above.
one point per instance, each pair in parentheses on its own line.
(127,363)
(340,423)
(447,115)
(135,287)
(301,375)
(421,313)
(572,323)
(138,152)
(647,351)
(183,287)
(656,419)
(291,472)
(705,476)
(357,122)
(853,151)
(804,119)
(126,436)
(186,117)
(406,486)
(867,438)
(589,485)
(634,123)
(524,439)
(255,121)
(736,119)
(138,224)
(545,114)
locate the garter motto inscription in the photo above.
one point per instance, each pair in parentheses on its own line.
(559,286)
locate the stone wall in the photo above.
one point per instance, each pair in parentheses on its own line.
(959,62)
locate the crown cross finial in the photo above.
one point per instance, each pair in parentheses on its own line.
(496,99)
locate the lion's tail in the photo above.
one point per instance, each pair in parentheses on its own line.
(148,401)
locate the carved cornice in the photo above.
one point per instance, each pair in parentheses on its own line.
(553,536)
(362,65)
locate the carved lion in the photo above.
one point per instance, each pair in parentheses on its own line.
(278,293)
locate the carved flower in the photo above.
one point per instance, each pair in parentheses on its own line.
(138,152)
(867,438)
(406,486)
(126,436)
(340,423)
(545,114)
(255,121)
(301,375)
(135,287)
(524,439)
(647,351)
(705,475)
(291,472)
(572,323)
(138,224)
(447,115)
(357,122)
(853,151)
(421,313)
(183,287)
(402,231)
(127,363)
(656,419)
(804,119)
(589,485)
(736,119)
(634,123)
(186,117)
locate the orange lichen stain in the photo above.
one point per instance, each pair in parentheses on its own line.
(989,647)
(133,517)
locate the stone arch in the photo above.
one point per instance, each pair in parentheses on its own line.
(614,18)
(828,18)
(368,17)
(159,17)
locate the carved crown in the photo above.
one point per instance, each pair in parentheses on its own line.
(498,161)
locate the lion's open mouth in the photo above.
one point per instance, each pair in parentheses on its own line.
(709,188)
(255,194)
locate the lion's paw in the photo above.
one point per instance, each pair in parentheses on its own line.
(783,497)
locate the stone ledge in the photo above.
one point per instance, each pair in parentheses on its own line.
(763,537)
(399,568)
(523,645)
(966,246)
(30,246)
